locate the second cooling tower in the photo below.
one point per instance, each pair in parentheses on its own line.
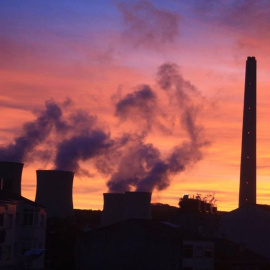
(113,208)
(137,205)
(54,192)
(123,206)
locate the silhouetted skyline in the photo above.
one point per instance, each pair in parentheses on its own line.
(97,57)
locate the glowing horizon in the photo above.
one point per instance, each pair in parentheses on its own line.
(95,54)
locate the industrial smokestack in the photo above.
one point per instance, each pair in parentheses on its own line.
(10,176)
(137,205)
(113,208)
(54,192)
(247,193)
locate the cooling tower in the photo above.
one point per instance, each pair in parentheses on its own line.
(137,205)
(247,193)
(54,192)
(10,176)
(113,208)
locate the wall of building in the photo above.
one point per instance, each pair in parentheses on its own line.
(248,226)
(24,229)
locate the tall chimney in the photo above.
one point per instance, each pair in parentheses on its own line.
(54,192)
(247,193)
(11,176)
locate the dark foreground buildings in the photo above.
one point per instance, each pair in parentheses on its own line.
(22,223)
(174,238)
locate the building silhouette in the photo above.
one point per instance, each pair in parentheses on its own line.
(22,223)
(247,193)
(11,176)
(54,191)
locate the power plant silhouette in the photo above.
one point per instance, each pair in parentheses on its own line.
(54,191)
(11,176)
(127,225)
(247,193)
(54,187)
(123,206)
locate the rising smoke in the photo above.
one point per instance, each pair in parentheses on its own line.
(129,160)
(72,136)
(146,172)
(81,147)
(33,134)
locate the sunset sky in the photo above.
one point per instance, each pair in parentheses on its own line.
(162,76)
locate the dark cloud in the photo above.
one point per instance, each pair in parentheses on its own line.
(141,105)
(148,26)
(81,147)
(136,161)
(158,178)
(181,157)
(33,134)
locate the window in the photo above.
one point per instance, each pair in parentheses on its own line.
(36,217)
(6,253)
(2,220)
(2,236)
(9,220)
(5,184)
(188,251)
(18,219)
(16,249)
(199,252)
(42,220)
(208,253)
(27,244)
(28,217)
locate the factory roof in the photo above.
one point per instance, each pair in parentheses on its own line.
(10,197)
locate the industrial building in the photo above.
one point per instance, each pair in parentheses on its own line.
(54,191)
(247,191)
(22,223)
(239,239)
(249,224)
(124,206)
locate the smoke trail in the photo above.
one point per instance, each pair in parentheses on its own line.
(81,147)
(189,152)
(33,133)
(181,157)
(184,95)
(136,161)
(141,108)
(141,104)
(131,161)
(187,101)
